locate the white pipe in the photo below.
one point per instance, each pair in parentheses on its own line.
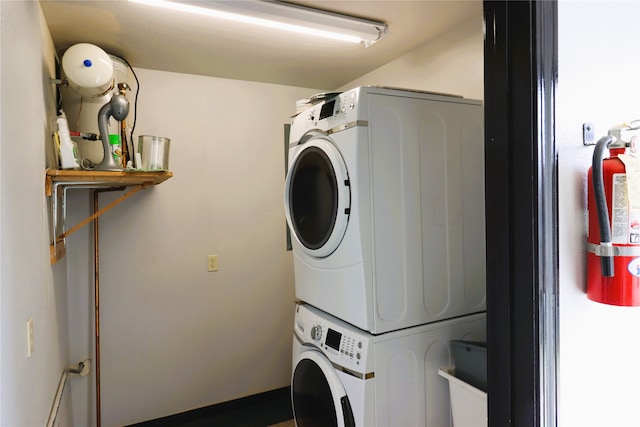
(82,370)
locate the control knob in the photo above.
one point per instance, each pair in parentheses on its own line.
(316,332)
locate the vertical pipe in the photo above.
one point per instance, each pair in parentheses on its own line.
(96,260)
(96,293)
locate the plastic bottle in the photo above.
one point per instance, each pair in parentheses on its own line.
(116,147)
(68,149)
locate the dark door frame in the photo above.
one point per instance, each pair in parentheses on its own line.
(521,207)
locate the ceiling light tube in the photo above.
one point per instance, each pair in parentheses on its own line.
(283,16)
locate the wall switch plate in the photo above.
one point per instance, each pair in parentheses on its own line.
(213,263)
(29,337)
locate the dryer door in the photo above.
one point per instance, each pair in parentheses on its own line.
(318,396)
(317,195)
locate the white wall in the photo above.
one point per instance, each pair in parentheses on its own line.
(599,59)
(29,286)
(452,63)
(175,337)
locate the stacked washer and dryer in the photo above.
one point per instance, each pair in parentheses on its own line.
(384,197)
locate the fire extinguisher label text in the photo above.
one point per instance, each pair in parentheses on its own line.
(620,210)
(625,218)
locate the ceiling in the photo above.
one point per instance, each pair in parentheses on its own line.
(158,39)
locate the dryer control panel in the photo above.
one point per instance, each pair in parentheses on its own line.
(338,107)
(327,115)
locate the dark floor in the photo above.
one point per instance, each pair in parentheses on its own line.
(261,410)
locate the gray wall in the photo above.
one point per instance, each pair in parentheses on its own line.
(30,288)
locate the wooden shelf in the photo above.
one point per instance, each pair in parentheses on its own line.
(104,178)
(58,182)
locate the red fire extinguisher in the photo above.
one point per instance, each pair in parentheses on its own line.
(613,247)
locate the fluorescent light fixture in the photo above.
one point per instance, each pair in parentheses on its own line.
(283,16)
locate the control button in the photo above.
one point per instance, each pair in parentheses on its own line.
(316,332)
(358,356)
(360,344)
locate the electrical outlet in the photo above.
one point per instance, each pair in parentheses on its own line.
(29,337)
(213,263)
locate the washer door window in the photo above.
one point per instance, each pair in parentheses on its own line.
(318,396)
(317,196)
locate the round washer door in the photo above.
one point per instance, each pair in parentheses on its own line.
(318,396)
(317,196)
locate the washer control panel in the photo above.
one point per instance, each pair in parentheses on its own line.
(340,342)
(316,333)
(343,346)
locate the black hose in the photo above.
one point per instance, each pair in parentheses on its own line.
(601,203)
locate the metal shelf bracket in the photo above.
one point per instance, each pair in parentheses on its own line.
(59,182)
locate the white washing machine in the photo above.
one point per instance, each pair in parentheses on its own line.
(343,376)
(384,197)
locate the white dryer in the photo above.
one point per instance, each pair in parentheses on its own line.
(344,377)
(384,197)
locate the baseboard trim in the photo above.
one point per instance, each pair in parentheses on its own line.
(261,409)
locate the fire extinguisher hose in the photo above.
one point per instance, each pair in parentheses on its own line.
(601,204)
